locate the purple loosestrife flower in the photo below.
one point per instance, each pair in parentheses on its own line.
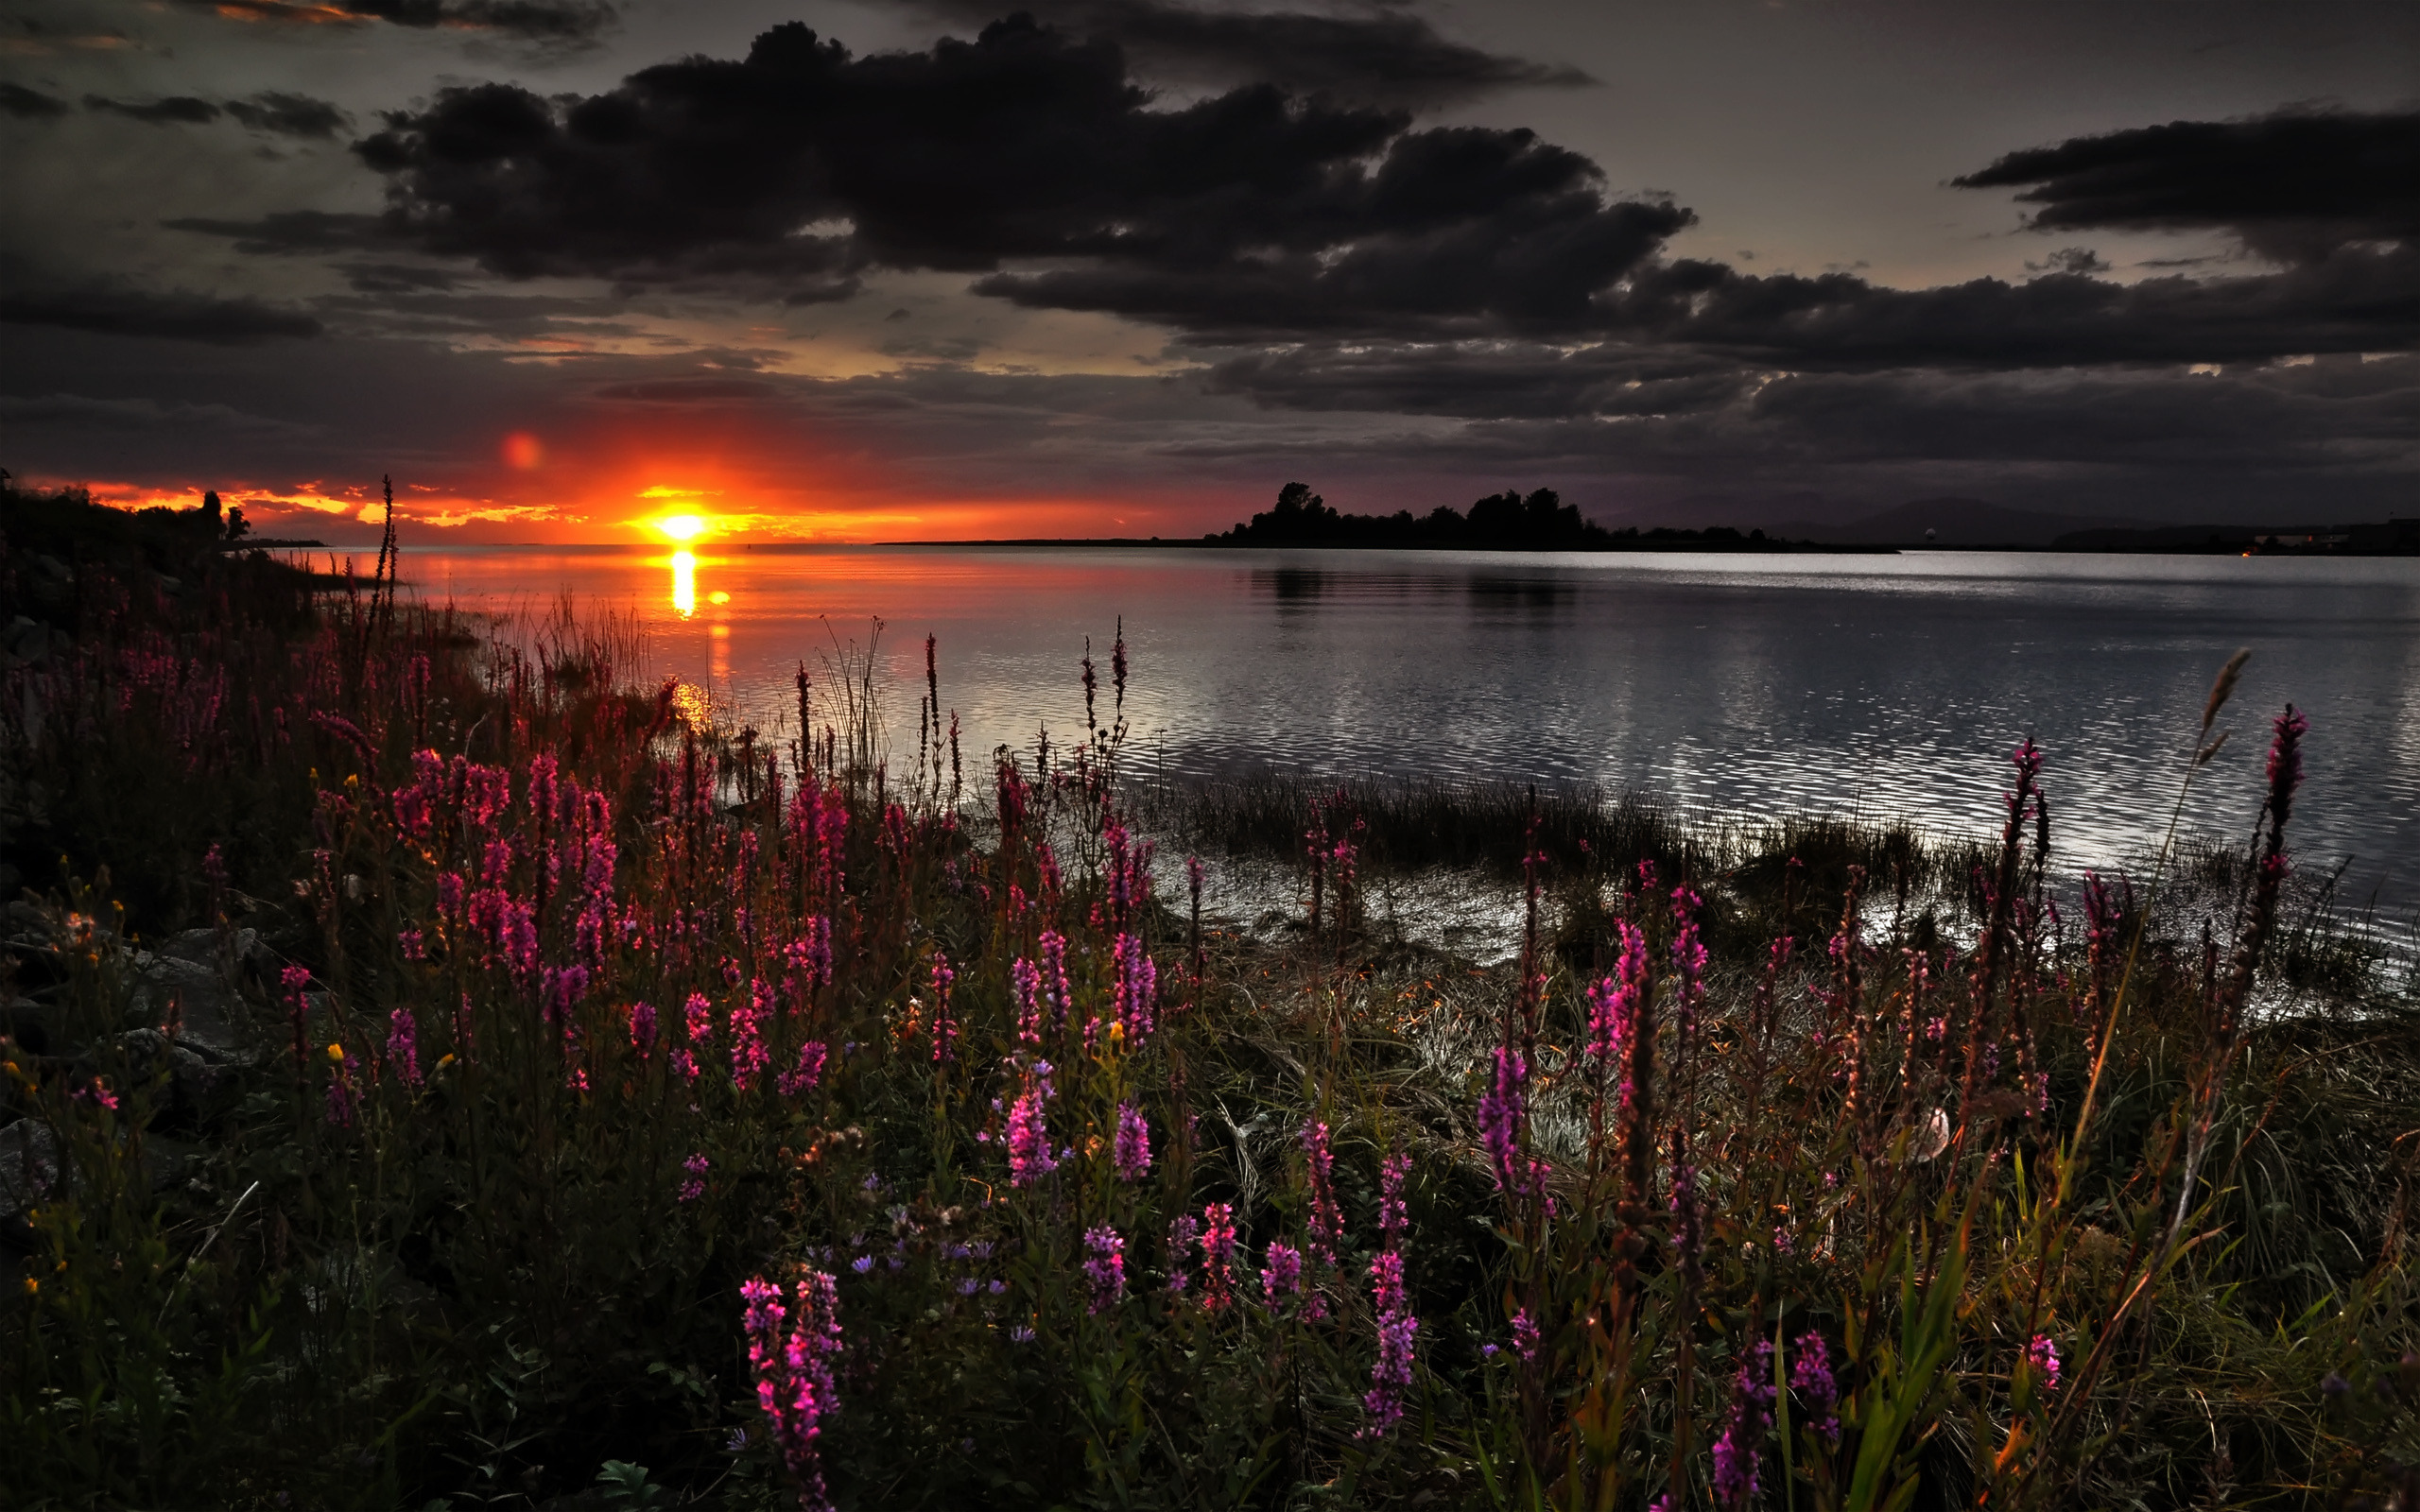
(945,1026)
(1282,1275)
(412,943)
(748,1055)
(698,1017)
(2043,1356)
(803,1075)
(294,980)
(1055,988)
(561,991)
(1392,1219)
(1135,987)
(642,1016)
(1524,1335)
(1810,1377)
(794,1383)
(518,934)
(1181,1233)
(1390,1377)
(1503,1118)
(344,1089)
(1024,982)
(1325,1228)
(1131,1152)
(685,1065)
(1104,1268)
(1218,1256)
(1029,1158)
(403,1046)
(694,1186)
(1613,1004)
(1738,1454)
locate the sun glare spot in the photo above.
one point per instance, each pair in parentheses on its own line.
(681,526)
(525,452)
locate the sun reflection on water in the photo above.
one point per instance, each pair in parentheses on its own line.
(685,583)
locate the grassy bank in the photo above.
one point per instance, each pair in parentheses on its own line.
(445,1072)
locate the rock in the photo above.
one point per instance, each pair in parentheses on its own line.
(34,1025)
(29,1164)
(204,1088)
(209,1016)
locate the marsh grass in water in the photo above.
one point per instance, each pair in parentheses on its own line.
(501,1084)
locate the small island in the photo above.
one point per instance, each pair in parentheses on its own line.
(1501,522)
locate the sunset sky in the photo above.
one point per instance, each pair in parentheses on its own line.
(920,270)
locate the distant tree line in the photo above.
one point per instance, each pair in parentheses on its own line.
(1501,522)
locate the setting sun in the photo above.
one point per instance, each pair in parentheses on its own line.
(681,526)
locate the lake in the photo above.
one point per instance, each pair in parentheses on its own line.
(1735,685)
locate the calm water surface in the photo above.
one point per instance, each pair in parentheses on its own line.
(1879,685)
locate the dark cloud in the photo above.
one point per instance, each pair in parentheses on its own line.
(1376,54)
(175,316)
(555,21)
(2293,185)
(175,110)
(2359,299)
(2081,260)
(689,390)
(29,105)
(77,412)
(272,111)
(289,114)
(1250,210)
(292,233)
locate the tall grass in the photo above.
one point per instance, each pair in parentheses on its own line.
(594,1099)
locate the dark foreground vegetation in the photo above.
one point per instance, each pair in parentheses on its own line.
(440,1072)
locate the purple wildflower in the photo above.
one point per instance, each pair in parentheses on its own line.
(403,1046)
(1029,1158)
(1282,1275)
(1738,1454)
(641,1017)
(694,1186)
(1503,1123)
(1613,1004)
(2043,1356)
(1810,1376)
(1131,1152)
(344,1089)
(1524,1335)
(1217,1255)
(945,1026)
(1055,989)
(748,1055)
(794,1385)
(1025,981)
(1390,1377)
(1182,1234)
(802,1076)
(1104,1268)
(1326,1227)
